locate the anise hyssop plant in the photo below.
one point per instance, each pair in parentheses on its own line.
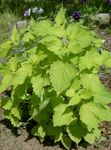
(54,67)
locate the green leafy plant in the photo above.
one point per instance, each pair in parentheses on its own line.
(54,66)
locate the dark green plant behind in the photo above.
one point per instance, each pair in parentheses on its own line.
(50,6)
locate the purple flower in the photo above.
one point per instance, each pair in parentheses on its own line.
(102,33)
(27,13)
(76,15)
(83,1)
(108,2)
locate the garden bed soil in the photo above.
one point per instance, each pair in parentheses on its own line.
(12,138)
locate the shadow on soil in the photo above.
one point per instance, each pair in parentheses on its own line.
(8,125)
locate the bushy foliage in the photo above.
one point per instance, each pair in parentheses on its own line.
(54,67)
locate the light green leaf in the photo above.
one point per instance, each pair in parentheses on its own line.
(91,59)
(61,75)
(74,100)
(91,82)
(74,47)
(70,92)
(42,28)
(72,30)
(86,94)
(108,63)
(90,137)
(92,114)
(39,130)
(62,115)
(76,131)
(4,69)
(53,44)
(5,48)
(14,34)
(60,18)
(14,120)
(6,103)
(16,112)
(77,42)
(66,141)
(6,82)
(103,96)
(27,37)
(22,73)
(76,84)
(58,31)
(87,40)
(37,84)
(13,63)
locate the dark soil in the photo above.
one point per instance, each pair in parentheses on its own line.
(12,138)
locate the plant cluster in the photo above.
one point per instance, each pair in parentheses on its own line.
(54,67)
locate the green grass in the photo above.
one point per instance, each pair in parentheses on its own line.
(7,19)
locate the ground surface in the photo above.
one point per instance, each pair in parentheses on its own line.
(20,139)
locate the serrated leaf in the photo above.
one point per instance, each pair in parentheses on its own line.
(70,92)
(77,42)
(103,97)
(5,48)
(4,69)
(55,132)
(91,82)
(74,100)
(22,73)
(86,94)
(43,27)
(61,75)
(39,130)
(60,18)
(53,44)
(16,112)
(91,59)
(76,131)
(13,63)
(37,84)
(18,93)
(72,30)
(6,82)
(92,114)
(91,137)
(62,115)
(27,37)
(6,103)
(66,141)
(14,120)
